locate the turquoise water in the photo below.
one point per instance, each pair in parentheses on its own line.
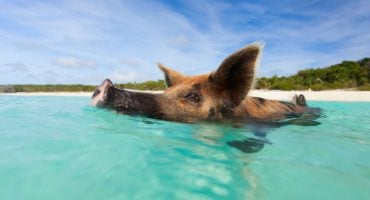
(61,148)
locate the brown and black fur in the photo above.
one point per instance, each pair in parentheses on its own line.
(220,95)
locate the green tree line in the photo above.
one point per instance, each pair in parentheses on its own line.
(148,85)
(348,74)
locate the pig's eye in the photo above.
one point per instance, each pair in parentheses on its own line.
(193,97)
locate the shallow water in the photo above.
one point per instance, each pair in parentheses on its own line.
(61,148)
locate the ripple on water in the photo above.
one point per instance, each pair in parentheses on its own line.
(50,145)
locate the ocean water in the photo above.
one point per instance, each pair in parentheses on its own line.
(61,148)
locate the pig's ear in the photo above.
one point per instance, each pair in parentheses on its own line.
(236,74)
(172,77)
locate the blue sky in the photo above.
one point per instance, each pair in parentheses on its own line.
(86,41)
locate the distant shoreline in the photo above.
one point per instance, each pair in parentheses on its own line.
(328,95)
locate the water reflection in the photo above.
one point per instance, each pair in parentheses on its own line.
(251,134)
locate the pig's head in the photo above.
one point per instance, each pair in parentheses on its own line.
(189,98)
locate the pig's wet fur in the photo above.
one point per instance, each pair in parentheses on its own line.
(221,96)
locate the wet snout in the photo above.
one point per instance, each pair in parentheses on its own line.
(100,95)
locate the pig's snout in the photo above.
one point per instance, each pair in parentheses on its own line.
(100,95)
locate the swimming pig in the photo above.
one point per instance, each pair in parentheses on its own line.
(221,95)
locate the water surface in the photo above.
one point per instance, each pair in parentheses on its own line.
(61,148)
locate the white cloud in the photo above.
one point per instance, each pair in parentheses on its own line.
(73,63)
(17,67)
(124,39)
(131,62)
(120,76)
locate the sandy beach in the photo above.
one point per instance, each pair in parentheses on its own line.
(329,95)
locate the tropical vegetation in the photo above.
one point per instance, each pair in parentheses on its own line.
(346,75)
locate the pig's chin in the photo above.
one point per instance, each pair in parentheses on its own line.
(180,118)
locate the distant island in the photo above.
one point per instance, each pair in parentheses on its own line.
(346,75)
